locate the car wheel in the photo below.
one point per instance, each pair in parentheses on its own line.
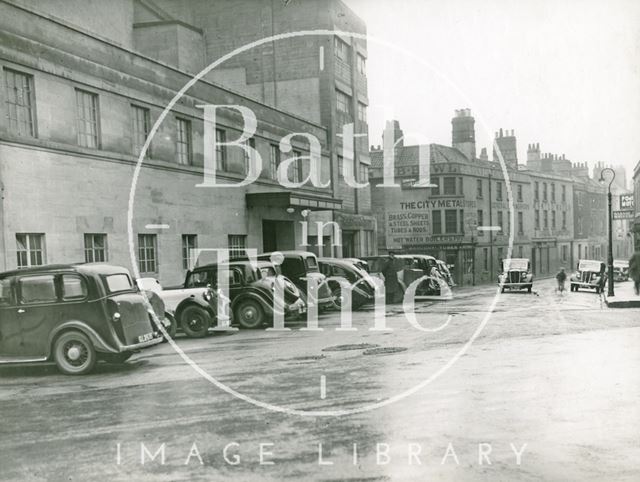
(173,327)
(529,288)
(502,290)
(116,357)
(597,290)
(74,354)
(249,314)
(195,321)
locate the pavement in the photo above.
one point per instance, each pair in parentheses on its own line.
(625,296)
(548,389)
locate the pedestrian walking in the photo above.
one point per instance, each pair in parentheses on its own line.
(392,288)
(634,271)
(561,277)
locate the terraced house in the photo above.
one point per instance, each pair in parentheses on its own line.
(472,210)
(83,83)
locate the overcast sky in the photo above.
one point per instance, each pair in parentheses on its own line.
(564,73)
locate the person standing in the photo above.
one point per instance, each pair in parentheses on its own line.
(561,277)
(634,271)
(392,287)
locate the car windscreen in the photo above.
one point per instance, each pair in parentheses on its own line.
(586,265)
(118,282)
(515,264)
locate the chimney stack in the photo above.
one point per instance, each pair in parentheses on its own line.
(463,134)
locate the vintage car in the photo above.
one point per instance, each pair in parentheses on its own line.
(620,270)
(74,315)
(300,265)
(339,269)
(417,265)
(251,287)
(191,310)
(590,274)
(516,274)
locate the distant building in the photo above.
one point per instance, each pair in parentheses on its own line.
(466,218)
(636,219)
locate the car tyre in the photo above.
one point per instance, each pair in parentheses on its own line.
(249,314)
(195,321)
(502,289)
(529,288)
(74,353)
(337,297)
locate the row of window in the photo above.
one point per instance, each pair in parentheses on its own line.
(362,173)
(342,51)
(545,219)
(451,223)
(21,113)
(545,192)
(30,249)
(344,105)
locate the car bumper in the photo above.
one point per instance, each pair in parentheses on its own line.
(157,338)
(522,285)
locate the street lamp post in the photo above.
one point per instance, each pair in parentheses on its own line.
(610,247)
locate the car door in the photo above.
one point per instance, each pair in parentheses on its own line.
(37,310)
(10,333)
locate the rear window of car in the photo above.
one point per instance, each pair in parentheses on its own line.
(267,271)
(73,288)
(118,282)
(5,291)
(38,289)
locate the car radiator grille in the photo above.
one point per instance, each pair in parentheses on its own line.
(514,277)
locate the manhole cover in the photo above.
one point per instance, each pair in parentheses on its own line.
(359,346)
(383,350)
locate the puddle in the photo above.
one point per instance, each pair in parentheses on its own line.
(359,346)
(383,350)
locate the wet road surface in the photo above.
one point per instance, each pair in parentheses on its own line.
(548,389)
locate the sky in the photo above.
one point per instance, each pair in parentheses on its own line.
(562,73)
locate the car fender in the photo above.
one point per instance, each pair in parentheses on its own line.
(267,305)
(192,300)
(98,342)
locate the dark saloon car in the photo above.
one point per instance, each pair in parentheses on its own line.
(73,315)
(590,274)
(335,269)
(300,265)
(251,287)
(516,274)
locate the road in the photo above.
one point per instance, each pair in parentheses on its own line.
(536,387)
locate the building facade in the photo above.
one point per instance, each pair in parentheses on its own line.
(473,214)
(317,77)
(77,107)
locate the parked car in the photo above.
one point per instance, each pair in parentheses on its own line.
(620,270)
(73,315)
(516,274)
(300,265)
(191,310)
(590,274)
(251,288)
(334,269)
(423,265)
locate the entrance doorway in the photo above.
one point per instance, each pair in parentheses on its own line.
(277,235)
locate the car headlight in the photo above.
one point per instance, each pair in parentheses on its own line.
(207,295)
(116,317)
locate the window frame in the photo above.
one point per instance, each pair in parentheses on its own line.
(138,113)
(81,122)
(184,137)
(29,251)
(29,107)
(143,261)
(92,248)
(186,246)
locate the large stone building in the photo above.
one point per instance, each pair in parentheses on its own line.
(318,77)
(468,217)
(81,90)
